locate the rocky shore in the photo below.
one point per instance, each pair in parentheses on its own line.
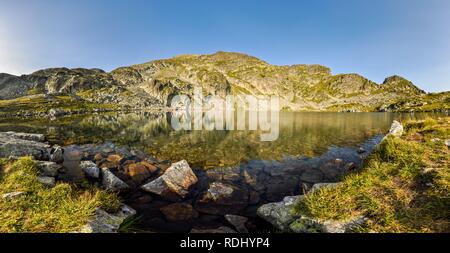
(167,196)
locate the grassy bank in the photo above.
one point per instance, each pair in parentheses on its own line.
(63,208)
(404,186)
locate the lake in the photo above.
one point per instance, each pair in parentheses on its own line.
(300,134)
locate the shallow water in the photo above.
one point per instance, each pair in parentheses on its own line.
(300,134)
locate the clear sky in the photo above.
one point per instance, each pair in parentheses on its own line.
(373,38)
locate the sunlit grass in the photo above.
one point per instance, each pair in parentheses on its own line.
(63,208)
(404,186)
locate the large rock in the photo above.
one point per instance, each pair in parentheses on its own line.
(21,144)
(112,182)
(280,213)
(222,198)
(174,183)
(396,129)
(179,212)
(104,222)
(310,225)
(49,169)
(90,169)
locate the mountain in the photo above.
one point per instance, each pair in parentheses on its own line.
(152,84)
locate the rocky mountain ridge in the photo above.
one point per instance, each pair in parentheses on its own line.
(153,84)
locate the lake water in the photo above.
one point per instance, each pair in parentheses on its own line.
(300,134)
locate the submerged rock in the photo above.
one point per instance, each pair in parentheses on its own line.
(174,183)
(112,182)
(90,169)
(238,222)
(222,198)
(279,214)
(104,222)
(219,230)
(179,212)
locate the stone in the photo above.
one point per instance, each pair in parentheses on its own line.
(309,225)
(338,161)
(98,157)
(179,212)
(278,187)
(104,222)
(12,195)
(49,169)
(279,213)
(447,143)
(219,230)
(396,129)
(435,140)
(319,186)
(90,169)
(175,182)
(116,159)
(350,166)
(57,154)
(312,176)
(238,222)
(21,144)
(47,181)
(112,182)
(222,198)
(56,112)
(361,150)
(139,172)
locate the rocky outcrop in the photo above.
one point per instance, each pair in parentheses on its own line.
(154,83)
(174,183)
(104,222)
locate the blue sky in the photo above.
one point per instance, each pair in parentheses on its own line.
(373,38)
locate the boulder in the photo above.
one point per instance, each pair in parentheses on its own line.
(112,182)
(238,222)
(57,154)
(49,169)
(396,129)
(21,144)
(222,198)
(90,169)
(47,181)
(139,172)
(174,183)
(179,212)
(279,214)
(104,222)
(219,230)
(115,159)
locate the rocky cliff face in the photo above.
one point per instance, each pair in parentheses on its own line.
(301,87)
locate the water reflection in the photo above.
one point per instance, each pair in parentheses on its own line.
(300,134)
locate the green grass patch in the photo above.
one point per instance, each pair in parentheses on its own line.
(403,187)
(64,208)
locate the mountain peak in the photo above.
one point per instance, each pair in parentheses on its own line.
(400,84)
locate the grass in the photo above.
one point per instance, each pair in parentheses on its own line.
(64,208)
(404,186)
